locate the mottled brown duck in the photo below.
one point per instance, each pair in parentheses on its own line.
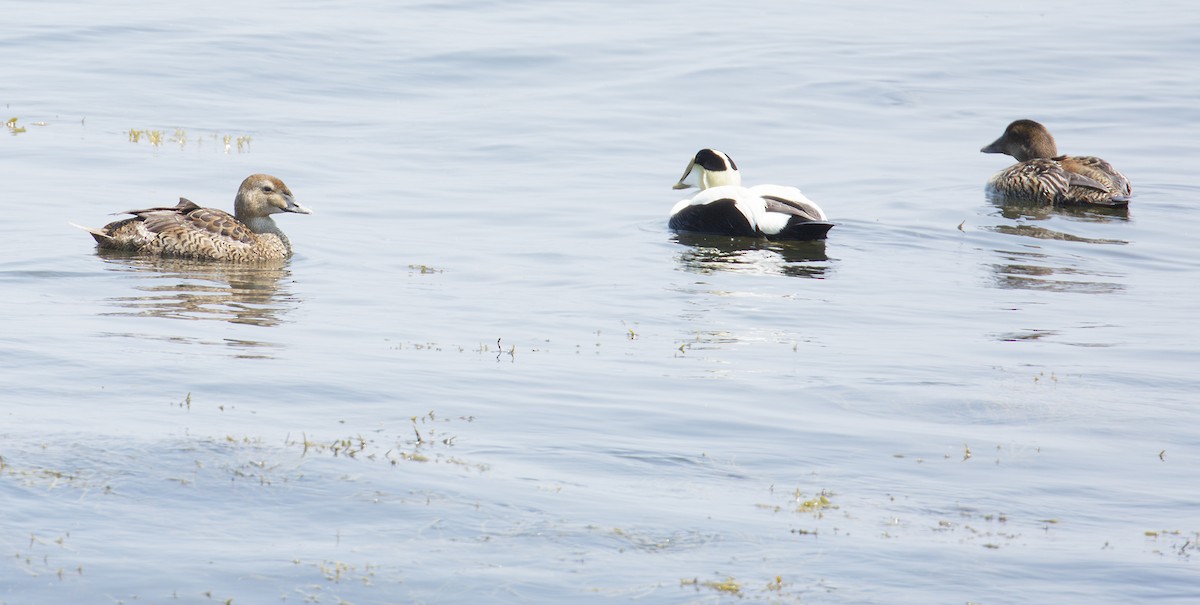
(1042,175)
(187,230)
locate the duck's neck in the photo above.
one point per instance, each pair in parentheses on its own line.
(1039,147)
(265,224)
(719,178)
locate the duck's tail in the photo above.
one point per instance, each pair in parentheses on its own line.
(101,235)
(804,231)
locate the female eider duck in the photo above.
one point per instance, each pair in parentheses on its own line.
(189,231)
(724,207)
(1042,175)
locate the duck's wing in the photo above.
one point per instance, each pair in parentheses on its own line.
(1101,171)
(131,233)
(190,220)
(1074,179)
(1040,179)
(788,215)
(790,201)
(184,206)
(791,208)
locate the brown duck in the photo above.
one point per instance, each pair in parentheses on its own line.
(189,231)
(1042,175)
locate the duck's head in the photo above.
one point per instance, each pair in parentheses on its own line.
(1024,140)
(710,168)
(262,195)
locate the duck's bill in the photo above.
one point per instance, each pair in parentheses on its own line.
(682,184)
(297,208)
(993,148)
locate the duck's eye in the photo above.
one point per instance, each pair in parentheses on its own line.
(268,189)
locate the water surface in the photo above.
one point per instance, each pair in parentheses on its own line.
(491,374)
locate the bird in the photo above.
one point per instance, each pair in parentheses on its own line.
(1042,175)
(724,207)
(188,230)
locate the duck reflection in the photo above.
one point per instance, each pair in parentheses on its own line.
(200,290)
(1037,268)
(709,253)
(1016,208)
(1036,271)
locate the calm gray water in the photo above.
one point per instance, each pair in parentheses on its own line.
(491,375)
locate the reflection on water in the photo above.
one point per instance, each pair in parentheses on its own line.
(1036,271)
(1031,335)
(1026,335)
(1024,210)
(709,253)
(200,290)
(1040,270)
(1016,208)
(1043,233)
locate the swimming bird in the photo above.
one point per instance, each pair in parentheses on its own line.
(1042,175)
(724,207)
(186,230)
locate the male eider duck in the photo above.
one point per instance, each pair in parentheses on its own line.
(724,207)
(1042,175)
(189,231)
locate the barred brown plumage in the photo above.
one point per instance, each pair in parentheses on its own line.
(188,230)
(1043,175)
